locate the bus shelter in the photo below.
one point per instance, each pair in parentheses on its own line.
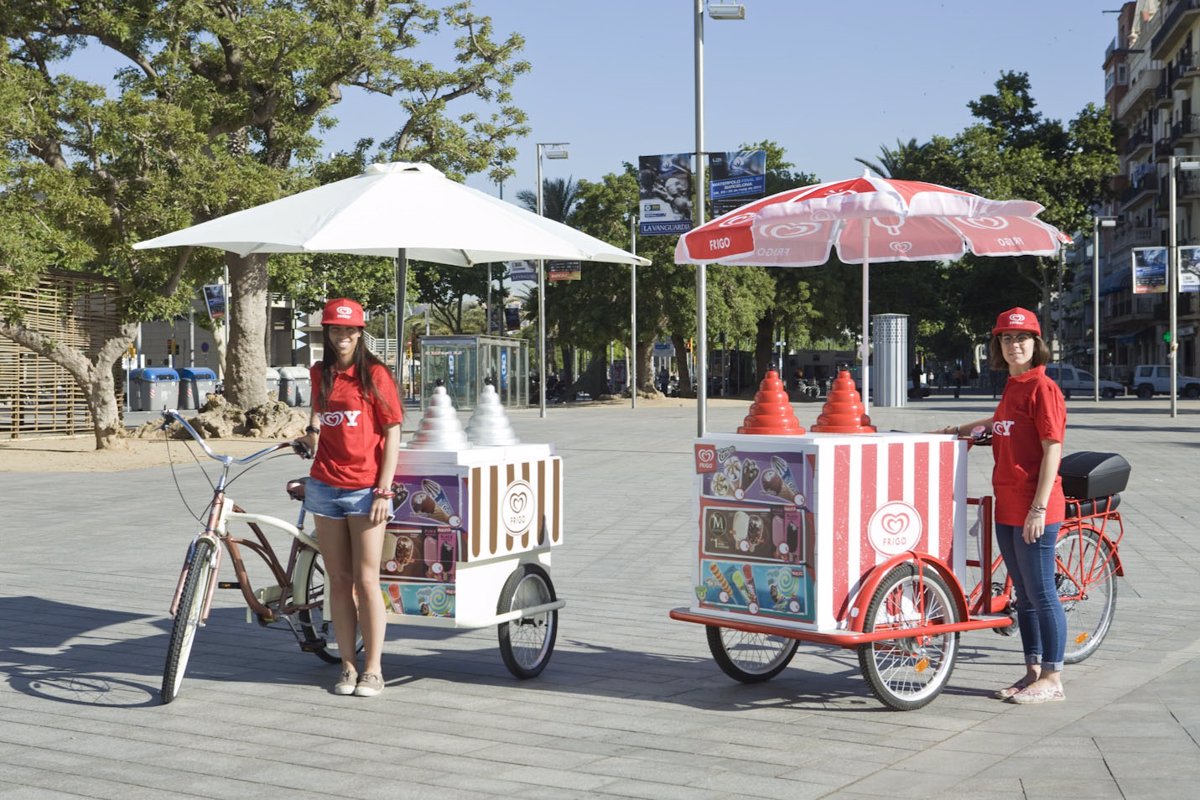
(464,364)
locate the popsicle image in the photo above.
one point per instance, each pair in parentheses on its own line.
(785,475)
(751,592)
(750,472)
(720,578)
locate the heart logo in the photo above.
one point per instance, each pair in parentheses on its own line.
(706,456)
(789,230)
(517,502)
(894,528)
(894,523)
(900,247)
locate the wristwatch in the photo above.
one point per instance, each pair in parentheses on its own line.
(312,429)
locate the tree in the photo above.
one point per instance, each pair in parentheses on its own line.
(220,108)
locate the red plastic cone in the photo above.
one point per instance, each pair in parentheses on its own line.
(844,411)
(771,413)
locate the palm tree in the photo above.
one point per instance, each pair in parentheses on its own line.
(558,198)
(906,162)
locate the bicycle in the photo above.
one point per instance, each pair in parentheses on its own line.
(295,598)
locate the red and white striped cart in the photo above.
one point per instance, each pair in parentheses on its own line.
(856,540)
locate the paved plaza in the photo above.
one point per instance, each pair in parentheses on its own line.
(631,704)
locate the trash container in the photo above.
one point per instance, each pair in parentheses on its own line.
(295,388)
(272,383)
(154,388)
(195,385)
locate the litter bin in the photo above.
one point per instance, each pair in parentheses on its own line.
(195,385)
(295,387)
(272,383)
(154,388)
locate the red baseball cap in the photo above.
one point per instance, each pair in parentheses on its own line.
(343,312)
(1017,319)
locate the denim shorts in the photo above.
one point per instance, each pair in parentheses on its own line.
(331,501)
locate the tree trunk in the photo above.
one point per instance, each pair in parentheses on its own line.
(645,380)
(246,367)
(685,375)
(95,378)
(764,344)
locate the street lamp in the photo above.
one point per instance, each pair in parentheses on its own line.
(1185,163)
(553,150)
(1097,224)
(718,11)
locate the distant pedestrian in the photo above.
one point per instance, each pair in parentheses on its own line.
(958,382)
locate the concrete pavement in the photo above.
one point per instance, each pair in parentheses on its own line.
(631,704)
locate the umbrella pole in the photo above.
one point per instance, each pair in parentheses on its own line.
(866,319)
(401,292)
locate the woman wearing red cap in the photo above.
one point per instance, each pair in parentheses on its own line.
(1028,428)
(356,413)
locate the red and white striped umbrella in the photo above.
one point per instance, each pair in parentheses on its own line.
(869,219)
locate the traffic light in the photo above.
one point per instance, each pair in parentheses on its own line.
(172,347)
(1167,337)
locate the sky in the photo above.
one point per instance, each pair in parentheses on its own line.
(830,81)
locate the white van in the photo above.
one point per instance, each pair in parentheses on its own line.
(1072,379)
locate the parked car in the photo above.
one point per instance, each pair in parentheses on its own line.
(1151,379)
(1072,379)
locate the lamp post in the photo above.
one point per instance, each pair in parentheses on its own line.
(1184,163)
(718,11)
(553,150)
(1097,224)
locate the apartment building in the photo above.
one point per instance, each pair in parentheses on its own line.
(1152,87)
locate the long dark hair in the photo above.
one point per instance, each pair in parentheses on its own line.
(364,362)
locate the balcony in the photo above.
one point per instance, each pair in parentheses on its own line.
(1162,94)
(1175,27)
(1143,89)
(1188,187)
(1186,128)
(1184,66)
(1141,190)
(1137,141)
(1162,148)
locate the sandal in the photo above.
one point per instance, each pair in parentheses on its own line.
(1046,694)
(1009,691)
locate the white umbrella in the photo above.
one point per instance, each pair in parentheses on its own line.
(403,211)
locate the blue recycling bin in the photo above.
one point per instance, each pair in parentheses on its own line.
(154,388)
(195,385)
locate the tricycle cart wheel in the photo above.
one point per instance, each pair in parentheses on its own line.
(316,631)
(907,673)
(1084,567)
(527,643)
(750,657)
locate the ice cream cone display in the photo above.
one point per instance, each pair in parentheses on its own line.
(489,425)
(440,428)
(844,411)
(432,503)
(771,412)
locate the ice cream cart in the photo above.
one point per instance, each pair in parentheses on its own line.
(468,546)
(842,536)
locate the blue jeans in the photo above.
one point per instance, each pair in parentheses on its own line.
(1040,615)
(330,501)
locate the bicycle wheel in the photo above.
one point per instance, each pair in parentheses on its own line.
(187,617)
(749,657)
(1084,576)
(526,644)
(308,587)
(907,673)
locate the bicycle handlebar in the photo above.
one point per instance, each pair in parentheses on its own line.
(171,415)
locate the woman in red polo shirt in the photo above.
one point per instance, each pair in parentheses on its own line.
(1028,428)
(356,413)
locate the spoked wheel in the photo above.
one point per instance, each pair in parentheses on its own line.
(1084,575)
(750,657)
(907,673)
(315,630)
(187,617)
(526,644)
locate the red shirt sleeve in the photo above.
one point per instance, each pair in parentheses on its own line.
(1048,411)
(386,406)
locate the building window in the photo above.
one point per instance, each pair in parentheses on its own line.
(1122,75)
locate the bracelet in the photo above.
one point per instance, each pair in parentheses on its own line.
(312,429)
(383,494)
(1038,509)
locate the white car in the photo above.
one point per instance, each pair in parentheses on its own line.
(1152,379)
(1072,379)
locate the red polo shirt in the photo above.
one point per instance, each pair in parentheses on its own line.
(1030,410)
(351,445)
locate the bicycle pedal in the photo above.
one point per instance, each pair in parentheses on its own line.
(229,584)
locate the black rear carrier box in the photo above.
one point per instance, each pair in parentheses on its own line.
(1086,475)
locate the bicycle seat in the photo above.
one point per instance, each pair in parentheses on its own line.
(1095,505)
(295,488)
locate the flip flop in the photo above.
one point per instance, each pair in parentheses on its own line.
(1047,694)
(1009,691)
